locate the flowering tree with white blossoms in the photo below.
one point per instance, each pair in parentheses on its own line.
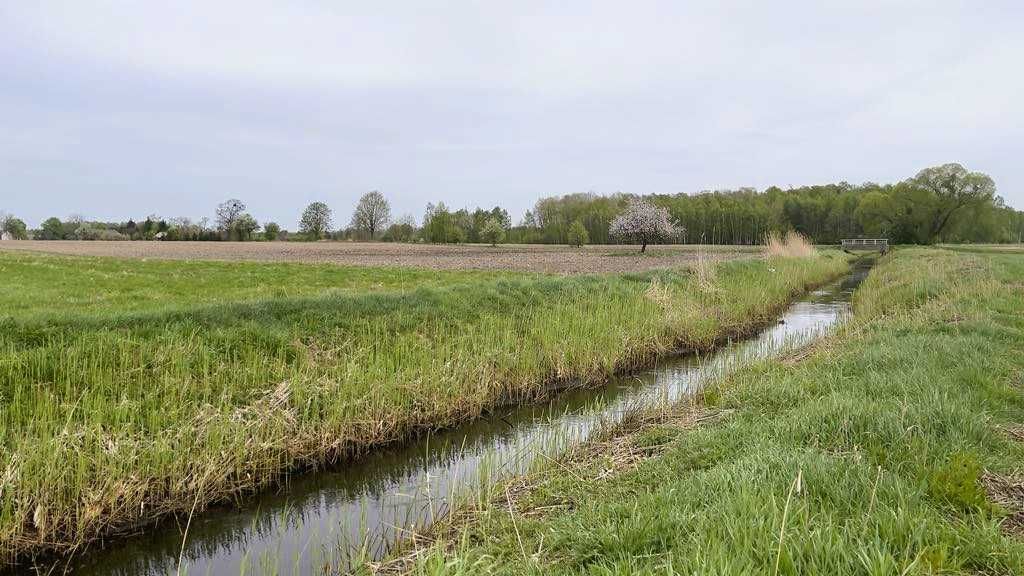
(641,223)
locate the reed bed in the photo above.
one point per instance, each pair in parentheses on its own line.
(116,414)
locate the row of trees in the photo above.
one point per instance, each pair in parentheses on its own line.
(945,203)
(231,222)
(442,225)
(316,223)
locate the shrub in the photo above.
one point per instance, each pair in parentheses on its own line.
(271,231)
(96,232)
(578,234)
(492,232)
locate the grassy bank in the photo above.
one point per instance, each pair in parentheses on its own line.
(134,389)
(894,447)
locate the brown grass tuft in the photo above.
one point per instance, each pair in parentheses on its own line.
(1008,493)
(706,272)
(792,245)
(1015,432)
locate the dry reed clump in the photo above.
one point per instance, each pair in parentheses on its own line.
(706,273)
(792,245)
(661,295)
(680,311)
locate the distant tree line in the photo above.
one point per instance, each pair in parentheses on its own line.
(941,204)
(945,203)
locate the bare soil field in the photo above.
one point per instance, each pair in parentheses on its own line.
(983,248)
(519,257)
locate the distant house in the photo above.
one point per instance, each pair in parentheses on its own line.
(6,236)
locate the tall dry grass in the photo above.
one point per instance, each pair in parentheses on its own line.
(705,272)
(792,245)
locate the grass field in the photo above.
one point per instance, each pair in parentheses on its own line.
(134,389)
(49,286)
(893,447)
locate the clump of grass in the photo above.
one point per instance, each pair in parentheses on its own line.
(706,273)
(792,245)
(957,482)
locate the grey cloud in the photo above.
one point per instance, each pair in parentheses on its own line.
(121,109)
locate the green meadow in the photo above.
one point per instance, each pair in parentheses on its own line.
(130,390)
(892,447)
(50,286)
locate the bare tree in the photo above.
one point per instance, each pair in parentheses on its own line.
(228,214)
(316,220)
(641,223)
(372,214)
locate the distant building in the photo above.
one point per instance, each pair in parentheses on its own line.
(6,236)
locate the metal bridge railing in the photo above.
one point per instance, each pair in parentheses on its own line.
(880,244)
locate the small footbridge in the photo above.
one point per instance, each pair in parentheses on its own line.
(869,244)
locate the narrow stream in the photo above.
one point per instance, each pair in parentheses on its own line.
(321,522)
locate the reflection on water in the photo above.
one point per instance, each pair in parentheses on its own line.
(320,520)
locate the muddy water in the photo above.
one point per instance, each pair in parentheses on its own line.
(321,522)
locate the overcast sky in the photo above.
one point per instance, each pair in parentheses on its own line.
(114,110)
